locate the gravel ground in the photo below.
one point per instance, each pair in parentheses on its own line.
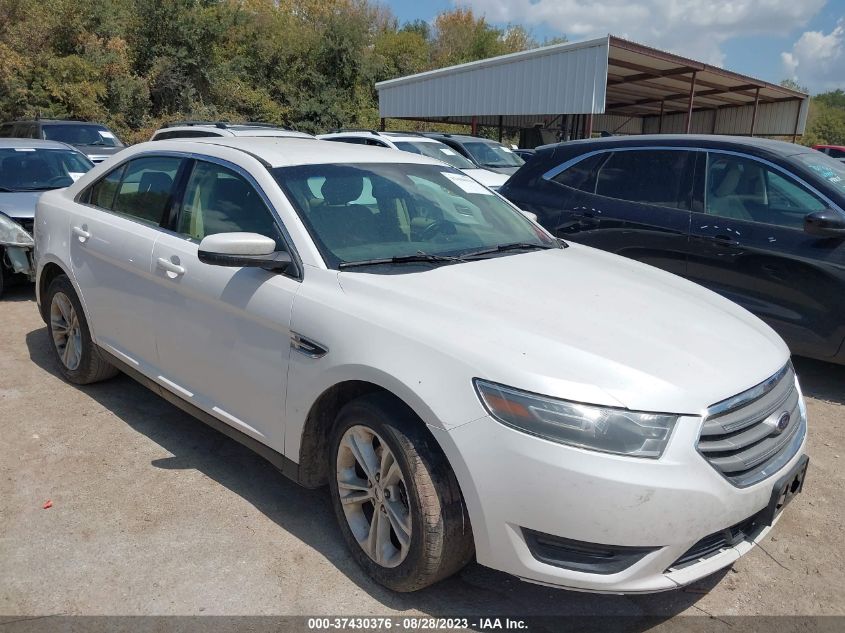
(155,514)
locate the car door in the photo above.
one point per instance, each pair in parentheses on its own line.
(749,244)
(631,201)
(112,231)
(225,343)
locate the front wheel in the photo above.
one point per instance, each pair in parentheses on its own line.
(396,498)
(79,359)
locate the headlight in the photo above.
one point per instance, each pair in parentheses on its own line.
(595,428)
(13,234)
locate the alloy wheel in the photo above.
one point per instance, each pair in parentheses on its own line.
(67,335)
(374,496)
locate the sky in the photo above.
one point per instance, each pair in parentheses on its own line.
(767,39)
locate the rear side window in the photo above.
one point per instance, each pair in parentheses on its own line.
(145,188)
(833,152)
(582,175)
(655,177)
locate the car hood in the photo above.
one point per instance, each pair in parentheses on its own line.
(19,204)
(579,324)
(488,178)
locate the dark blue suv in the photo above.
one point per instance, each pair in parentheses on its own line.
(758,221)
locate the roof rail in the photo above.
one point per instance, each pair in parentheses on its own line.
(265,124)
(194,122)
(354,129)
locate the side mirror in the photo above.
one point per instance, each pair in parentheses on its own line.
(826,223)
(531,216)
(242,249)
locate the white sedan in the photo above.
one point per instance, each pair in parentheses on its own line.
(466,384)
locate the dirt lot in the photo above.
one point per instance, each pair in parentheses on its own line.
(154,513)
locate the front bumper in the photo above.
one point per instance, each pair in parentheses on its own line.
(513,482)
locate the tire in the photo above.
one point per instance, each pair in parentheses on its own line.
(439,542)
(71,326)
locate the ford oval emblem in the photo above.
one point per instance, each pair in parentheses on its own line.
(783,422)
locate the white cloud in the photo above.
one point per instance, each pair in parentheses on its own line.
(818,60)
(693,28)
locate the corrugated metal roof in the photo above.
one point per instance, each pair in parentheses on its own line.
(607,75)
(562,78)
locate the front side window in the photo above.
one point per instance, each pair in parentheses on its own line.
(101,194)
(37,169)
(492,154)
(745,189)
(363,212)
(654,177)
(436,150)
(219,200)
(76,134)
(145,188)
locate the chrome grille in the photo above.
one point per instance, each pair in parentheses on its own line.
(754,434)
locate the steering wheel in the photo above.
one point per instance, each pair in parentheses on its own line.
(435,228)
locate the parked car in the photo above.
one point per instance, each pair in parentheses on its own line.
(834,151)
(483,152)
(27,169)
(418,144)
(96,141)
(463,381)
(201,129)
(759,221)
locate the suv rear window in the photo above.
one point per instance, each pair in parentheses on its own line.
(163,136)
(76,134)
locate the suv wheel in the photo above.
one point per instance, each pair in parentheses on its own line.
(396,498)
(79,358)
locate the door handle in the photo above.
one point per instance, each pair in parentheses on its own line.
(169,266)
(724,240)
(81,232)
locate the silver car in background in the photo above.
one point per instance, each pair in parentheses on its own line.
(28,167)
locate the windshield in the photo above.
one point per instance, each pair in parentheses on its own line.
(492,154)
(363,212)
(436,150)
(76,134)
(828,169)
(31,169)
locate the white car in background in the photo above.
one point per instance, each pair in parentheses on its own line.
(465,383)
(211,129)
(419,144)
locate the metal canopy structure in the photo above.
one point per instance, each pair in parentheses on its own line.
(606,84)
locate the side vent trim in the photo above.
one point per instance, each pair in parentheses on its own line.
(306,346)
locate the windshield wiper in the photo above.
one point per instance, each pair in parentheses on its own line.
(403,259)
(503,248)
